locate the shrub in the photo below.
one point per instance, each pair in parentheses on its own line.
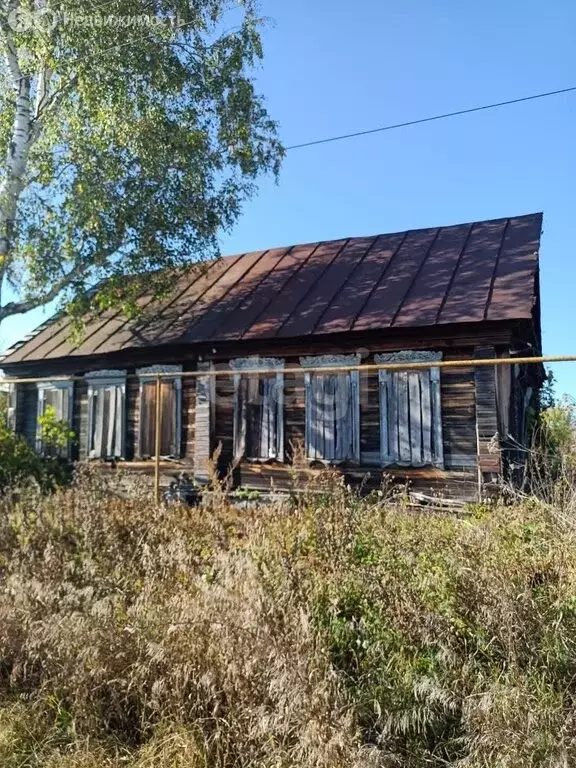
(343,632)
(20,464)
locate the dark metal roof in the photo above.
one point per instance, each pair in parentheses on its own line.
(424,277)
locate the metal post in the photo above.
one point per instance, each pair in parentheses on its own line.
(157,443)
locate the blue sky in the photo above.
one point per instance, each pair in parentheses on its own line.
(335,67)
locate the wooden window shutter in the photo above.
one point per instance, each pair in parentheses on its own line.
(410,414)
(203,418)
(170,411)
(106,414)
(332,410)
(147,418)
(258,410)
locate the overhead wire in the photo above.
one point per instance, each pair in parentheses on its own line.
(430,119)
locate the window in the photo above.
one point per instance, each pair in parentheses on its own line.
(410,418)
(258,410)
(170,407)
(106,414)
(11,399)
(56,396)
(332,409)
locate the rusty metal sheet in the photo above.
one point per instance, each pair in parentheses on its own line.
(515,275)
(309,311)
(208,325)
(341,314)
(271,321)
(424,299)
(386,300)
(268,291)
(469,292)
(168,324)
(461,274)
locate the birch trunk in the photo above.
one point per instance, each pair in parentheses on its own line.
(16,155)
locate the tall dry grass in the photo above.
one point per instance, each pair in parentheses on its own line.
(337,632)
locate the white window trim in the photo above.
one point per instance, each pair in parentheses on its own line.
(11,406)
(411,356)
(43,387)
(177,380)
(334,361)
(98,380)
(254,363)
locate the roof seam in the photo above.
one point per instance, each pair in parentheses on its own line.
(101,325)
(453,275)
(343,286)
(159,314)
(241,299)
(227,291)
(418,272)
(266,276)
(271,299)
(377,283)
(233,260)
(495,269)
(34,337)
(314,282)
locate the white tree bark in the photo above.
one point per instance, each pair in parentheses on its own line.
(29,111)
(17,154)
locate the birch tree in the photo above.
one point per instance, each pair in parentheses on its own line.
(131,132)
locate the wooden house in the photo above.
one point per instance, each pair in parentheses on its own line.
(448,293)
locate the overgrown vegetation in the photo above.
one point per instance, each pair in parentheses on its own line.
(20,464)
(330,632)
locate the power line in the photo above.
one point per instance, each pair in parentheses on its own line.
(431,119)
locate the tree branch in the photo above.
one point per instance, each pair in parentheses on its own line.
(19,307)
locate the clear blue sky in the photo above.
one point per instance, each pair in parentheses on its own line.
(334,67)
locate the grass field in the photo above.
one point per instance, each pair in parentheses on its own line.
(331,632)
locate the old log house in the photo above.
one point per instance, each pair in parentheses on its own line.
(447,293)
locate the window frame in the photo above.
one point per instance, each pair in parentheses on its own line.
(54,386)
(100,380)
(333,361)
(388,379)
(252,363)
(11,406)
(176,380)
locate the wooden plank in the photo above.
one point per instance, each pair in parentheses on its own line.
(384,434)
(486,413)
(393,443)
(338,411)
(426,411)
(403,418)
(438,444)
(202,424)
(416,419)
